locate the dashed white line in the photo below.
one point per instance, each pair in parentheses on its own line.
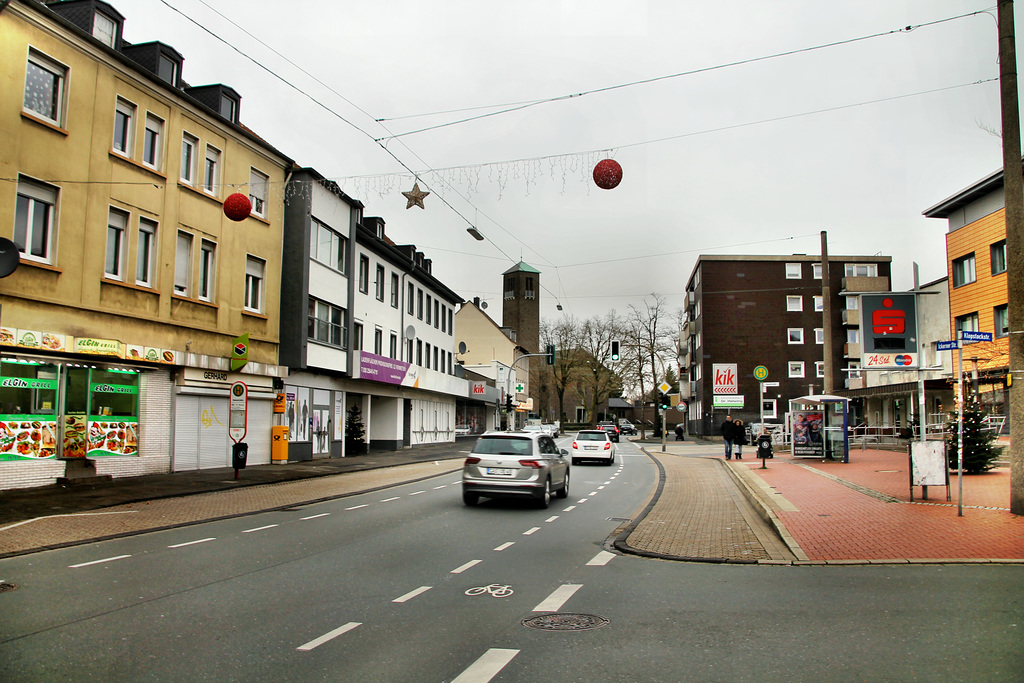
(322,514)
(601,559)
(471,563)
(105,559)
(182,545)
(259,528)
(598,488)
(582,500)
(442,486)
(388,500)
(330,635)
(551,519)
(487,667)
(505,545)
(416,493)
(554,602)
(592,493)
(412,594)
(569,509)
(531,531)
(356,507)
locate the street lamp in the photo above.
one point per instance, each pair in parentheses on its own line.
(475,233)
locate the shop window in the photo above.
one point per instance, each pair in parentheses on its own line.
(28,410)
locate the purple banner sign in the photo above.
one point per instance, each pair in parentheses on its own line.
(383,369)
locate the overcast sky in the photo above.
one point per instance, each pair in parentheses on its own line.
(755,158)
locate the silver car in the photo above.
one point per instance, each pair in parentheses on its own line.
(517,465)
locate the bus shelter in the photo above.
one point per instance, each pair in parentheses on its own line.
(818,427)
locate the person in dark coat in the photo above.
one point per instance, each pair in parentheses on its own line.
(679,432)
(739,438)
(728,433)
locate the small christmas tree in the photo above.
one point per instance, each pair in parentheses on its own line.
(980,450)
(355,432)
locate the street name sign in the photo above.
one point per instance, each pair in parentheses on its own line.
(971,336)
(947,345)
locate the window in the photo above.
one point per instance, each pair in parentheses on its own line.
(853,369)
(819,304)
(409,296)
(1001,320)
(816,271)
(183,263)
(393,347)
(357,337)
(530,293)
(379,284)
(326,323)
(796,335)
(419,303)
(796,368)
(211,169)
(819,368)
(124,114)
(429,299)
(153,141)
(364,274)
(853,336)
(167,70)
(146,256)
(963,270)
(254,273)
(794,271)
(427,353)
(394,290)
(967,323)
(852,303)
(998,251)
(437,312)
(189,145)
(103,29)
(117,224)
(419,352)
(451,328)
(444,319)
(819,335)
(328,247)
(861,270)
(207,266)
(228,108)
(35,223)
(437,366)
(258,192)
(44,88)
(378,341)
(794,303)
(768,408)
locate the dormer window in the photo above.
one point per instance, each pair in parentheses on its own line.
(167,70)
(228,108)
(104,29)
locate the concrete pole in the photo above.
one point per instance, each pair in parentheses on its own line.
(826,313)
(1013,185)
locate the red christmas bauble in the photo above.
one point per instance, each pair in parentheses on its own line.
(607,174)
(237,207)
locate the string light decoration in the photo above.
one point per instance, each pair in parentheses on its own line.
(237,207)
(415,197)
(607,174)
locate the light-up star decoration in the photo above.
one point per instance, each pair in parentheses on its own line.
(415,197)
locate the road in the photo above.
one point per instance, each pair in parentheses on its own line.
(374,588)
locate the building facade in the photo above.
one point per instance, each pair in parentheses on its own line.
(745,312)
(132,285)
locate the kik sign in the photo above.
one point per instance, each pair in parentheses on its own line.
(889,330)
(726,378)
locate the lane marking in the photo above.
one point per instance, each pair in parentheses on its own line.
(505,545)
(412,594)
(487,667)
(530,532)
(592,493)
(554,602)
(582,500)
(330,635)
(356,507)
(322,514)
(569,509)
(471,563)
(600,487)
(106,559)
(551,519)
(182,545)
(416,493)
(442,486)
(388,500)
(601,559)
(259,528)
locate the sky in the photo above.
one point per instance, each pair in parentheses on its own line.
(745,127)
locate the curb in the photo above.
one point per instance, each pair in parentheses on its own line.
(763,511)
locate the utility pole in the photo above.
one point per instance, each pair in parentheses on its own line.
(1013,187)
(826,312)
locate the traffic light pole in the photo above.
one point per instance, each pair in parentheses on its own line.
(663,411)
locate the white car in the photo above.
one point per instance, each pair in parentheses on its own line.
(593,444)
(552,429)
(462,430)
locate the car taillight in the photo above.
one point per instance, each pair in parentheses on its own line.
(616,430)
(607,445)
(472,460)
(574,446)
(530,463)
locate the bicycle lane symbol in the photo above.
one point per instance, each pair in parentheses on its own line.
(496,590)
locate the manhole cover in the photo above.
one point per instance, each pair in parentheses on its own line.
(4,586)
(565,622)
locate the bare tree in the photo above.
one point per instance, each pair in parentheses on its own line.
(652,334)
(566,334)
(597,380)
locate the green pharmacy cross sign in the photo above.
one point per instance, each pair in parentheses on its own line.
(520,388)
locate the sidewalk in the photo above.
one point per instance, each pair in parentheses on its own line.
(860,512)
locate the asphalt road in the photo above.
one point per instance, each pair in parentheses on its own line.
(374,588)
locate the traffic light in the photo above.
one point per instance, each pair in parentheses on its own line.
(550,354)
(664,402)
(508,403)
(615,349)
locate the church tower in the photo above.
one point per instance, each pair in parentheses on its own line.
(521,308)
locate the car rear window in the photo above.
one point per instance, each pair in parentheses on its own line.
(503,445)
(592,436)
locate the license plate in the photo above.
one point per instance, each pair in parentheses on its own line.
(500,471)
(590,448)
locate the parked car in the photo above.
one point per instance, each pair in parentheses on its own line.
(593,444)
(461,430)
(626,427)
(516,465)
(612,430)
(535,428)
(552,429)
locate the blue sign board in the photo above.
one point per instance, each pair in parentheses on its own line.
(947,345)
(970,336)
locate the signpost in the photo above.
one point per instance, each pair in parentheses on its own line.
(238,414)
(971,337)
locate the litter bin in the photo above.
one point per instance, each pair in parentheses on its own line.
(764,446)
(239,454)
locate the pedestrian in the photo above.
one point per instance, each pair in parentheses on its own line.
(739,438)
(679,432)
(727,430)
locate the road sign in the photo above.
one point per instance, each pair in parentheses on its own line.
(720,401)
(761,373)
(969,336)
(664,387)
(947,345)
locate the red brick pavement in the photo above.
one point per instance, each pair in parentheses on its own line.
(836,522)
